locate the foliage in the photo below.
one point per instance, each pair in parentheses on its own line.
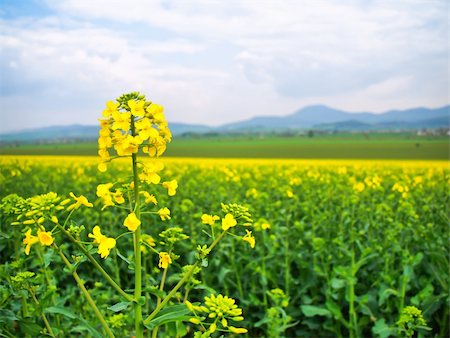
(346,246)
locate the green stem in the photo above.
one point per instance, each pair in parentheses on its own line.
(44,318)
(85,293)
(48,280)
(96,264)
(117,268)
(352,313)
(161,288)
(180,283)
(403,286)
(137,249)
(171,294)
(236,272)
(287,275)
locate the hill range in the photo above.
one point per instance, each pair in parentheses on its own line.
(317,117)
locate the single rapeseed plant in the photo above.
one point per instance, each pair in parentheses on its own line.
(129,127)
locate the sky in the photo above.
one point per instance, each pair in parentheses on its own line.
(213,62)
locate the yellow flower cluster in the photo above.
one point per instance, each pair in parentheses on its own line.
(402,189)
(41,208)
(108,197)
(229,221)
(219,308)
(373,182)
(129,124)
(359,187)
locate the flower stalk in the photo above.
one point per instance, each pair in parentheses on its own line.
(96,264)
(85,292)
(137,247)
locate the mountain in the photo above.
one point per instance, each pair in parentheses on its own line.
(82,132)
(323,117)
(75,131)
(311,117)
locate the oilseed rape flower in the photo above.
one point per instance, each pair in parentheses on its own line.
(29,240)
(137,108)
(132,222)
(105,244)
(121,121)
(102,167)
(249,239)
(150,173)
(149,198)
(359,187)
(96,235)
(127,145)
(118,197)
(262,224)
(209,219)
(402,189)
(131,123)
(373,182)
(418,180)
(164,213)
(171,187)
(106,195)
(146,130)
(228,222)
(164,260)
(82,200)
(45,237)
(219,308)
(111,107)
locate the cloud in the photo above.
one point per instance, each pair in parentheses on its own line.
(217,61)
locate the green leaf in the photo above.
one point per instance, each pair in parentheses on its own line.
(69,314)
(119,306)
(48,258)
(61,311)
(337,283)
(382,330)
(7,316)
(311,311)
(123,257)
(86,327)
(5,235)
(334,309)
(28,325)
(169,314)
(384,294)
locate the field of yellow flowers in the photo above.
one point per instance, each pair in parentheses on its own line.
(136,246)
(334,248)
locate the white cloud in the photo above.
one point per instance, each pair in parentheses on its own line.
(217,61)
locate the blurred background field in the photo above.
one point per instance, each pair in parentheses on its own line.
(406,146)
(342,246)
